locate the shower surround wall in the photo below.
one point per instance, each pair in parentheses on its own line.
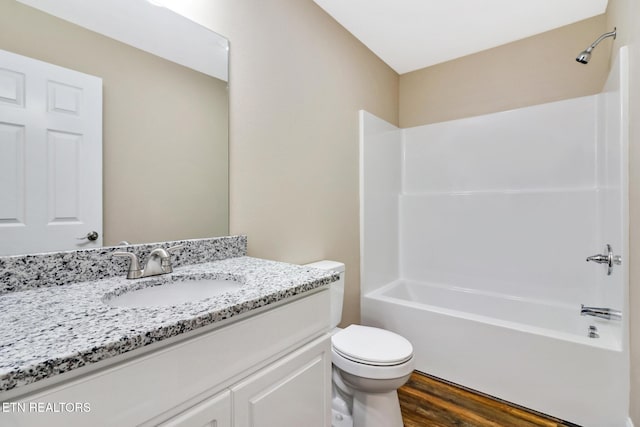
(474,239)
(505,201)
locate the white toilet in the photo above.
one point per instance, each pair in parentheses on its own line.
(369,365)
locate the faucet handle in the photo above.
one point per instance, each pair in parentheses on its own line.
(607,258)
(175,248)
(164,253)
(135,271)
(165,260)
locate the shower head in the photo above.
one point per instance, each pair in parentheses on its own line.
(585,55)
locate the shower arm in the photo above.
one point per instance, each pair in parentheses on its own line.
(602,37)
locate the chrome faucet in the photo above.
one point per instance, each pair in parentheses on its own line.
(159,262)
(601,312)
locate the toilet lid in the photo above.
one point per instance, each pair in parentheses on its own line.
(372,346)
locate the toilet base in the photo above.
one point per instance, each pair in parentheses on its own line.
(370,402)
(341,402)
(340,419)
(376,409)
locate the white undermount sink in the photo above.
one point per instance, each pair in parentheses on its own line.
(173,293)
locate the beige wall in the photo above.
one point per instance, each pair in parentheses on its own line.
(530,71)
(625,15)
(297,82)
(164,129)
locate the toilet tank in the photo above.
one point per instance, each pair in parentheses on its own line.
(336,289)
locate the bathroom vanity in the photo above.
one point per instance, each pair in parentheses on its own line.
(258,355)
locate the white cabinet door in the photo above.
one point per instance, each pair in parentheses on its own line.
(292,392)
(50,156)
(213,412)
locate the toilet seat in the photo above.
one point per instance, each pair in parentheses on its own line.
(372,352)
(372,346)
(369,362)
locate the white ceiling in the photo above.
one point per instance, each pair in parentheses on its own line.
(413,34)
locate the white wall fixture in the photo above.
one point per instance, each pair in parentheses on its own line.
(496,216)
(413,34)
(506,201)
(380,186)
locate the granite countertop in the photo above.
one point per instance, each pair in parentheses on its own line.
(51,330)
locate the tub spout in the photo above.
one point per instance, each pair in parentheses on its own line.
(601,312)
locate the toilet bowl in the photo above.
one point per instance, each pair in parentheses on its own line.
(372,363)
(369,365)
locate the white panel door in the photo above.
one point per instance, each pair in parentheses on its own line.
(293,392)
(50,156)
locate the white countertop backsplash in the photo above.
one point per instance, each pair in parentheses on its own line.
(30,271)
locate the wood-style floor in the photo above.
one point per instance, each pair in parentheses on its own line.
(429,401)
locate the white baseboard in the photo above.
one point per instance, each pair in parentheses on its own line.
(629,422)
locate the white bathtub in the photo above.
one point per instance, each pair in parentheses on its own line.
(533,353)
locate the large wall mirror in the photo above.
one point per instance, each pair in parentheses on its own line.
(164,111)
